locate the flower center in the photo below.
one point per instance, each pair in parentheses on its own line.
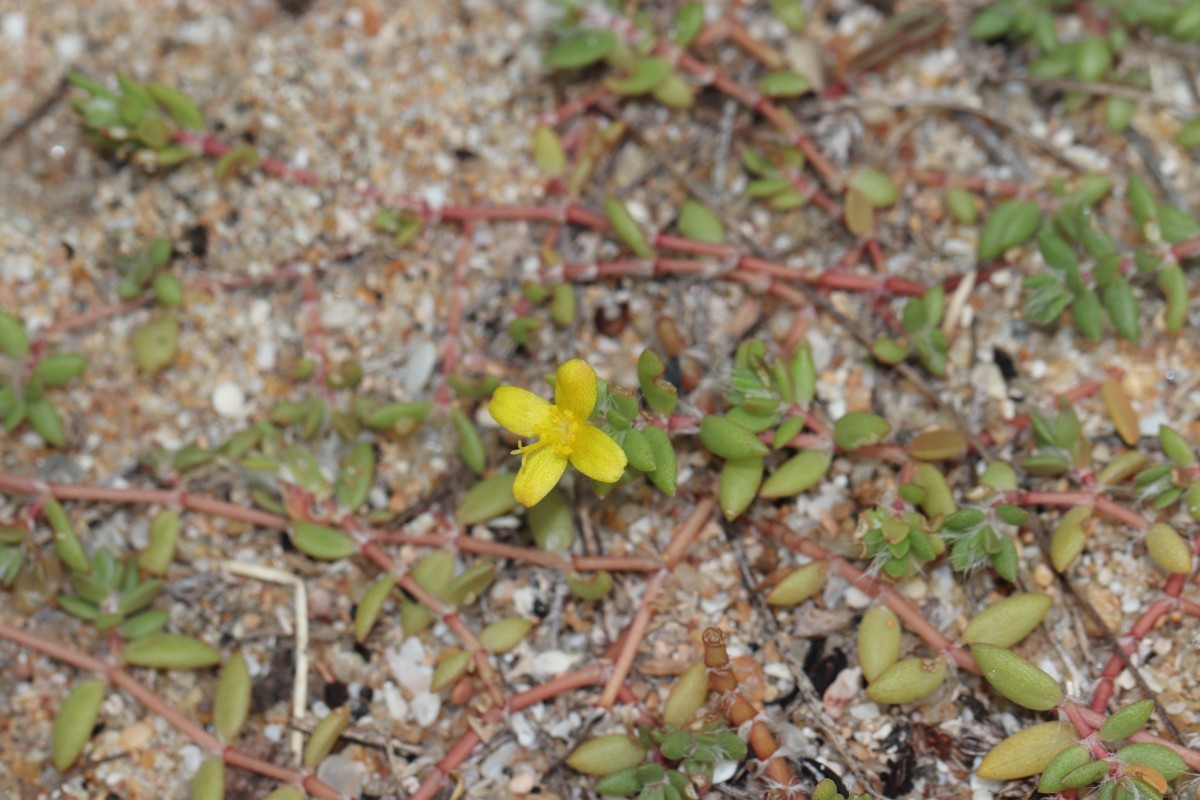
(558,431)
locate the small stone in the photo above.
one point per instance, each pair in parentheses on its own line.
(498,760)
(339,314)
(136,736)
(190,758)
(857,598)
(553,663)
(523,783)
(425,708)
(69,46)
(229,400)
(419,369)
(864,711)
(397,706)
(524,729)
(266,355)
(524,599)
(565,728)
(843,690)
(915,588)
(14,26)
(724,770)
(342,773)
(408,666)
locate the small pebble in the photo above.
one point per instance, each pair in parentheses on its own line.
(864,711)
(523,783)
(342,773)
(397,706)
(498,760)
(525,731)
(190,758)
(856,598)
(69,47)
(229,400)
(15,26)
(425,708)
(419,369)
(553,663)
(724,770)
(136,736)
(337,314)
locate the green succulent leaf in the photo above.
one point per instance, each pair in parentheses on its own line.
(1126,721)
(74,722)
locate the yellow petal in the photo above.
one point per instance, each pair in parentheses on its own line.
(519,410)
(575,388)
(540,471)
(596,455)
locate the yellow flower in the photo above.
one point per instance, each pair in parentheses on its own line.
(562,431)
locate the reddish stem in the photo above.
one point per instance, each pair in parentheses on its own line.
(171,497)
(709,75)
(530,555)
(1103,504)
(1084,731)
(589,675)
(903,609)
(1105,686)
(446,613)
(985,185)
(156,704)
(458,299)
(1095,719)
(167,497)
(684,535)
(314,334)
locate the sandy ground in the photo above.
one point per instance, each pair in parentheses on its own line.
(438,100)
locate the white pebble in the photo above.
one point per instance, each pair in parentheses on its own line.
(266,355)
(1149,424)
(229,400)
(983,789)
(524,730)
(864,711)
(260,312)
(711,606)
(494,765)
(408,666)
(190,758)
(638,211)
(566,727)
(14,26)
(856,598)
(523,783)
(69,46)
(553,663)
(342,773)
(426,707)
(724,770)
(339,313)
(397,706)
(523,600)
(416,373)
